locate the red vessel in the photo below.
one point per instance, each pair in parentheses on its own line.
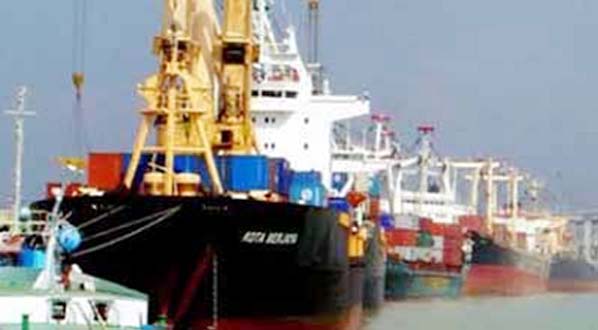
(501,270)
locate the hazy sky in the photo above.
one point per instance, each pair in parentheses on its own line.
(510,78)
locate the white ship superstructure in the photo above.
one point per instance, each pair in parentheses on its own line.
(426,184)
(290,120)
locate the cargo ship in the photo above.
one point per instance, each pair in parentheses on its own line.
(425,259)
(570,274)
(215,232)
(512,246)
(506,251)
(499,269)
(574,268)
(424,239)
(358,168)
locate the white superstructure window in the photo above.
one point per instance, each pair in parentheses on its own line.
(290,94)
(270,93)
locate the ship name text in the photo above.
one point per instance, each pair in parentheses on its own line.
(274,238)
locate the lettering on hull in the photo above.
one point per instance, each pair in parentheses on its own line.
(274,238)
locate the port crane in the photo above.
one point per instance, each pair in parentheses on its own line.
(198,101)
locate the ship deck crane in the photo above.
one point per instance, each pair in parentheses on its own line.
(195,60)
(180,102)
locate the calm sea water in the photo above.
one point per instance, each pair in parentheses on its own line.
(544,312)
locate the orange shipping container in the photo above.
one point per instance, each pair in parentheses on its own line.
(428,225)
(104,170)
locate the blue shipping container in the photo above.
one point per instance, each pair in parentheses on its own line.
(196,164)
(375,186)
(387,221)
(284,182)
(306,188)
(279,176)
(339,180)
(339,204)
(32,258)
(309,177)
(141,168)
(182,163)
(245,172)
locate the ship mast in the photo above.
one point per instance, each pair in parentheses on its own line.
(313,43)
(19,114)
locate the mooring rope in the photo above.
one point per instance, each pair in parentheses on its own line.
(137,231)
(101,217)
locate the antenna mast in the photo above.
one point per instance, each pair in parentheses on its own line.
(19,115)
(313,42)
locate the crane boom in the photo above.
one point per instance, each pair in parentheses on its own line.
(237,54)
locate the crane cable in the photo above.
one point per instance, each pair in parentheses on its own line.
(79,36)
(78,75)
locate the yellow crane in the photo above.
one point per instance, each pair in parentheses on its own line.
(237,53)
(195,57)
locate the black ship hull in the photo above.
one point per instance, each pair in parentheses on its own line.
(501,270)
(237,264)
(572,275)
(375,269)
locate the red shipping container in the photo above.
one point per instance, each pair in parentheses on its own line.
(437,229)
(428,225)
(424,223)
(452,243)
(51,189)
(452,257)
(453,231)
(472,223)
(72,189)
(104,170)
(401,237)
